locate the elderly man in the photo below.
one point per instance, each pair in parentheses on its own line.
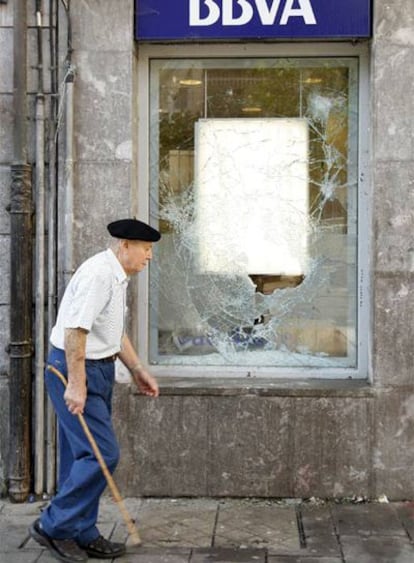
(88,336)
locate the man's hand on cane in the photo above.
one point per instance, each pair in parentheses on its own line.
(75,397)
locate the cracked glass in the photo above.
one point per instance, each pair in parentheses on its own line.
(253,182)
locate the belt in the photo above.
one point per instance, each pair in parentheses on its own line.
(107,359)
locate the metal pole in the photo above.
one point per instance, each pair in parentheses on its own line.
(51,261)
(20,347)
(40,269)
(68,195)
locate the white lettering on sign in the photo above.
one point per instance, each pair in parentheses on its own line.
(245,12)
(228,15)
(213,13)
(305,10)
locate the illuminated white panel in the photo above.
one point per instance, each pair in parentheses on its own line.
(252,195)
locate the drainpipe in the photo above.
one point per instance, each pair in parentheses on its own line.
(40,266)
(65,191)
(20,347)
(67,243)
(51,230)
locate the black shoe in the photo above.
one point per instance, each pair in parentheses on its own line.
(64,550)
(102,548)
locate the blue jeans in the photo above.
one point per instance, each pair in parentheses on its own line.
(73,512)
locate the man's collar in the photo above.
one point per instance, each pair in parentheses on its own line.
(116,266)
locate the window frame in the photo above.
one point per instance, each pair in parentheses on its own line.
(146,52)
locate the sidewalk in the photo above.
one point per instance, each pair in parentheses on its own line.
(236,531)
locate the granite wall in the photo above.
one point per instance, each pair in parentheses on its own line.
(393,245)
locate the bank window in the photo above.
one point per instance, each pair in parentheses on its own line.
(253,182)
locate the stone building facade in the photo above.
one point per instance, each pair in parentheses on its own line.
(335,416)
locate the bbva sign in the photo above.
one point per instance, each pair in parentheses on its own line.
(198,20)
(240,12)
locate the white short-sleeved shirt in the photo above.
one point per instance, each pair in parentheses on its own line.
(95,300)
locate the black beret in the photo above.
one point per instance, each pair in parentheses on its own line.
(132,229)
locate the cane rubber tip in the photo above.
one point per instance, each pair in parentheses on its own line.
(133,541)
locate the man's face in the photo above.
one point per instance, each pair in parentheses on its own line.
(135,255)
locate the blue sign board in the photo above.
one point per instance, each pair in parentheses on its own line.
(198,20)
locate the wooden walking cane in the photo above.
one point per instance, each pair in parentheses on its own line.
(134,538)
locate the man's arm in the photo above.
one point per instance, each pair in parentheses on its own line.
(146,383)
(75,351)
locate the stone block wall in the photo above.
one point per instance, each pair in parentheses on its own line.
(105,121)
(393,245)
(246,442)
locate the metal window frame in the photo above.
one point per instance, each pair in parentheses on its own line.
(360,50)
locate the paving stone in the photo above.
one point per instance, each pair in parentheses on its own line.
(405,512)
(317,520)
(26,556)
(177,522)
(27,510)
(226,555)
(377,549)
(144,554)
(153,558)
(111,517)
(106,529)
(109,509)
(319,531)
(367,519)
(322,545)
(12,535)
(305,559)
(259,525)
(120,533)
(46,557)
(158,556)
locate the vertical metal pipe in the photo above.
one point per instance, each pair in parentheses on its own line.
(68,194)
(51,230)
(20,347)
(65,186)
(40,267)
(40,297)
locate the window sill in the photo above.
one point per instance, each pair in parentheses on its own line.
(356,388)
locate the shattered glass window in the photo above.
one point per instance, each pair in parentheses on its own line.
(253,181)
